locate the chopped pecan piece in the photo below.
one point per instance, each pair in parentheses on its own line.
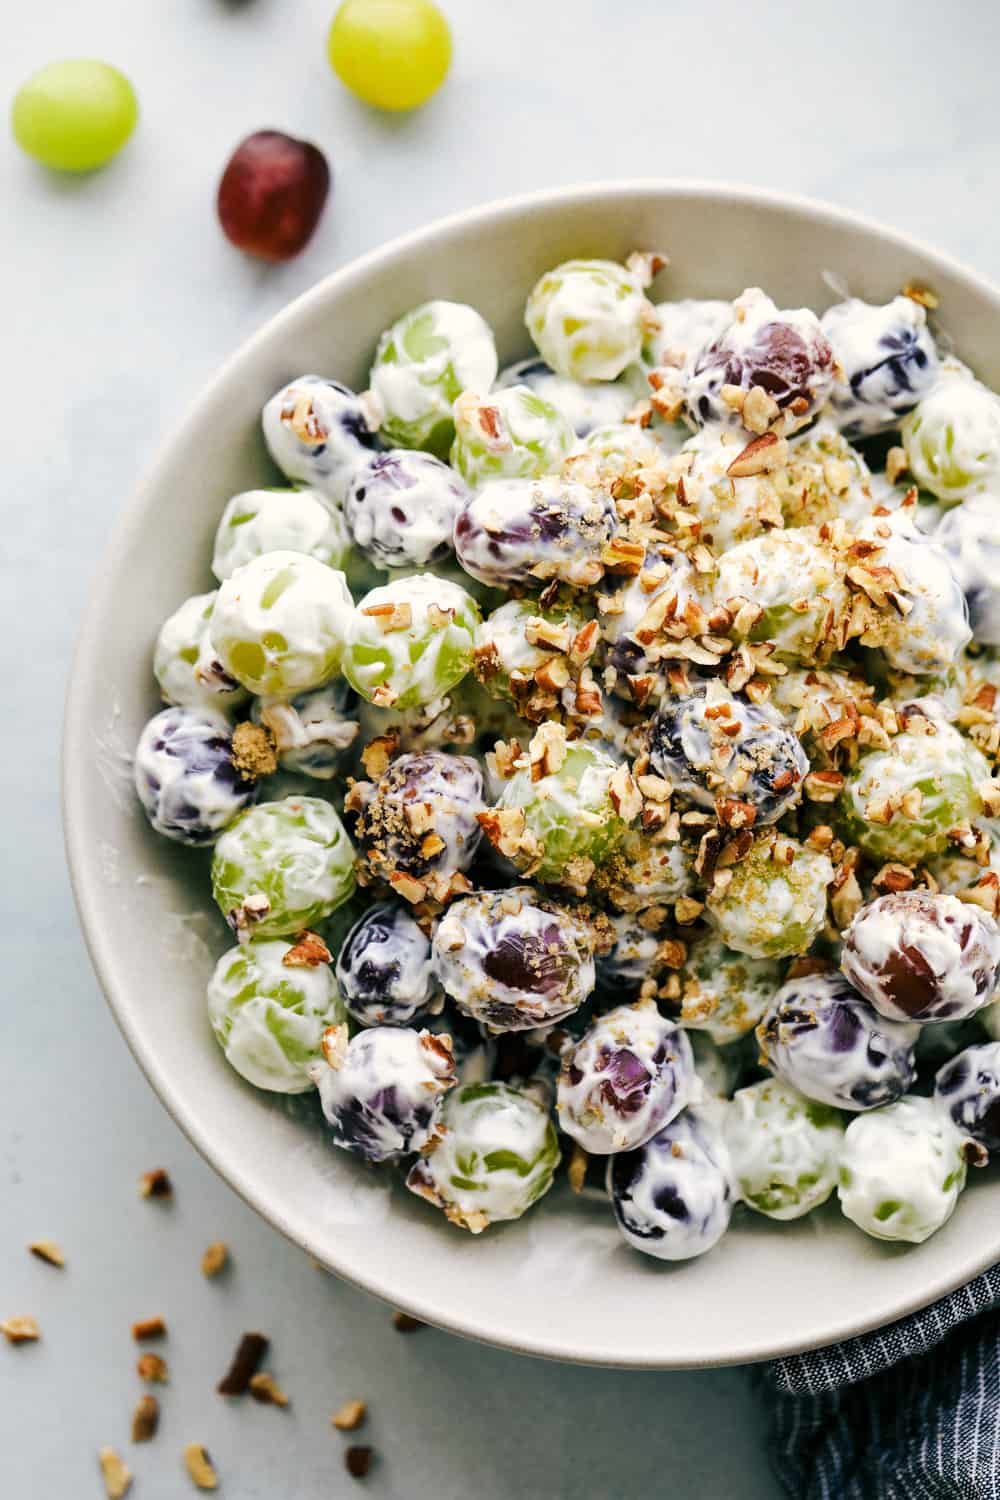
(115,1472)
(308,952)
(215,1259)
(265,1389)
(200,1467)
(155,1184)
(152,1368)
(245,1363)
(148,1328)
(145,1419)
(378,753)
(358,1460)
(761,454)
(48,1251)
(21,1330)
(405,1323)
(350,1416)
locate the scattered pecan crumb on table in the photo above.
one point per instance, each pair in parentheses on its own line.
(48,1251)
(116,1474)
(350,1416)
(404,1323)
(156,1184)
(215,1259)
(246,1362)
(22,1330)
(265,1389)
(200,1467)
(358,1460)
(149,1328)
(152,1368)
(145,1419)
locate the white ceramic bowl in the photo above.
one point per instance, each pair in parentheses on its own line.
(560,1282)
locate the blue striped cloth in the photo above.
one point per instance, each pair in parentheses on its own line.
(910,1412)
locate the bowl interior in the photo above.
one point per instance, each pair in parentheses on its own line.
(559,1282)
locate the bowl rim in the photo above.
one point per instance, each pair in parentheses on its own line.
(77,718)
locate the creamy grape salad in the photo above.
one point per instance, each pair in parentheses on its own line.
(598,760)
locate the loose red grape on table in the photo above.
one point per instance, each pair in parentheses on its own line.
(272,194)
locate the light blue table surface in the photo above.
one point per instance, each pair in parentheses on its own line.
(119,298)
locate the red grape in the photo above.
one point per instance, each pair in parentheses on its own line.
(272,194)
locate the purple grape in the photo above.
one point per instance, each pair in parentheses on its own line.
(713,744)
(514,960)
(784,353)
(631,959)
(889,363)
(629,1074)
(401,508)
(526,530)
(384,967)
(185,777)
(823,1038)
(381,1092)
(969,1087)
(421,818)
(672,1196)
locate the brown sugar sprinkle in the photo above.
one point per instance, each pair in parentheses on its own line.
(350,1416)
(253,751)
(149,1328)
(404,1323)
(308,952)
(215,1259)
(21,1330)
(152,1368)
(115,1473)
(358,1460)
(48,1251)
(145,1419)
(250,1350)
(265,1389)
(155,1184)
(200,1467)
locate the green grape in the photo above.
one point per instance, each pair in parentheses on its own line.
(588,318)
(506,660)
(411,641)
(723,992)
(511,434)
(422,365)
(952,437)
(74,115)
(943,768)
(393,54)
(282,866)
(784,1148)
(497,1156)
(269,1017)
(569,815)
(774,905)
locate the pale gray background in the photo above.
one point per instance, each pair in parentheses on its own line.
(119,298)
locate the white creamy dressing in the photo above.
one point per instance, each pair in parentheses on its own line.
(194,682)
(585,1113)
(264,1037)
(282,597)
(902,1170)
(260,521)
(776,1146)
(587,319)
